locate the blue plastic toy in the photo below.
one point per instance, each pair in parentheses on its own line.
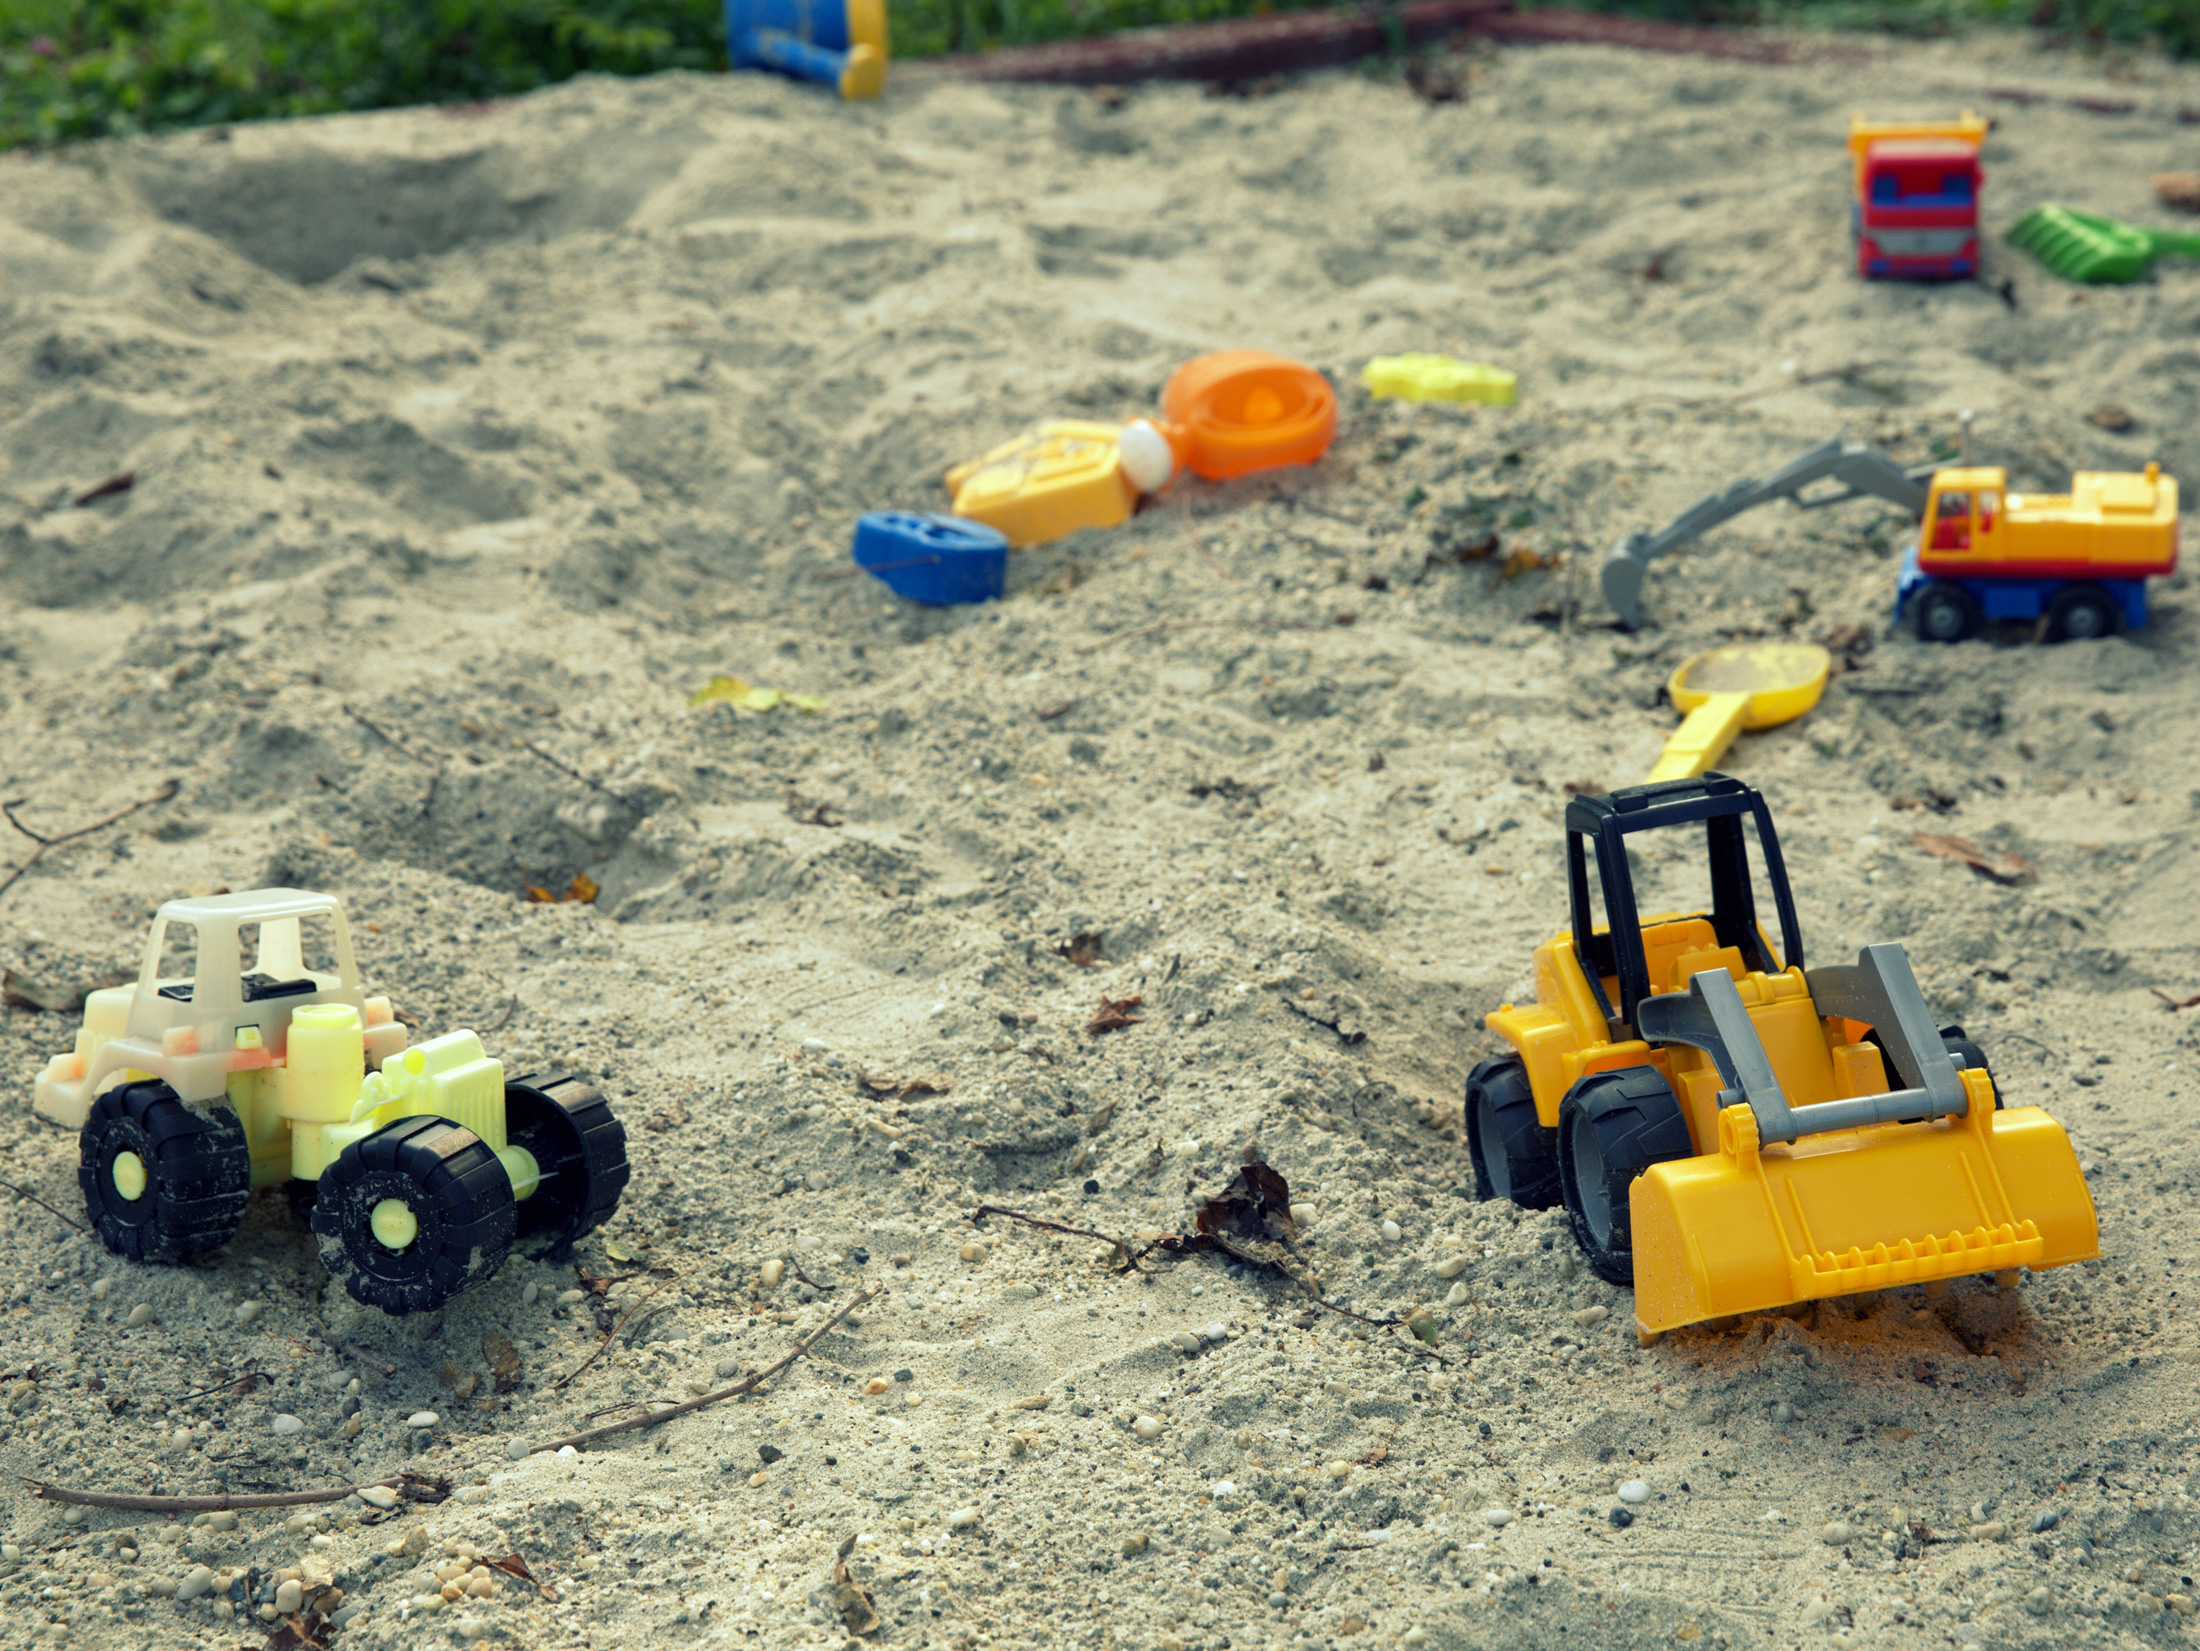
(939,560)
(840,43)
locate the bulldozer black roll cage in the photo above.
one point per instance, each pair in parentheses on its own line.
(1721,802)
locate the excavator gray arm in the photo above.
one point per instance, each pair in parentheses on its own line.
(1859,470)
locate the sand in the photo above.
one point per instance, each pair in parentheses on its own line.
(466,445)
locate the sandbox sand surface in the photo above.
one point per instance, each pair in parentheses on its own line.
(468,444)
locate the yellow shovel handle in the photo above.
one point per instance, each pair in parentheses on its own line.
(1702,738)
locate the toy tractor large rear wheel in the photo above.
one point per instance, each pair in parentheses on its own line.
(1611,1127)
(578,1145)
(2083,613)
(162,1181)
(1511,1149)
(414,1214)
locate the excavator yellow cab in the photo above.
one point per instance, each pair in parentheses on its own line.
(1731,1131)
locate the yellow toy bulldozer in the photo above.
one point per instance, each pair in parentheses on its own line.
(1730,1131)
(422,1165)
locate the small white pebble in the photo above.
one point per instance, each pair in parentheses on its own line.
(199,1580)
(1499,1517)
(140,1315)
(567,1451)
(1450,1267)
(532,1294)
(1456,1296)
(1147,1427)
(1184,1341)
(1590,1317)
(248,1311)
(100,1287)
(571,1298)
(1414,1636)
(288,1597)
(1836,1534)
(1783,1412)
(287,1424)
(1225,1487)
(422,1418)
(378,1496)
(519,1449)
(972,1251)
(962,1519)
(773,1272)
(1392,1232)
(1634,1491)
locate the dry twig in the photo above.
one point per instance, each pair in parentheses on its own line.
(44,843)
(573,773)
(207,1504)
(25,1192)
(612,1334)
(746,1384)
(1130,1261)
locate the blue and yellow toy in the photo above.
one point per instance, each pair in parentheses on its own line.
(837,42)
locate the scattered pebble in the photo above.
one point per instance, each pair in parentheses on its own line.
(1184,1341)
(140,1315)
(1634,1491)
(1456,1296)
(1147,1427)
(1225,1487)
(289,1596)
(531,1294)
(1020,1292)
(759,1479)
(1135,1543)
(972,1251)
(1589,1317)
(248,1312)
(198,1580)
(286,1424)
(1993,1530)
(1500,1517)
(726,1369)
(519,1449)
(2047,1522)
(962,1519)
(422,1418)
(1037,1401)
(1836,1533)
(773,1273)
(1783,1412)
(100,1288)
(1279,1601)
(1391,1232)
(1620,1519)
(571,1298)
(1414,1636)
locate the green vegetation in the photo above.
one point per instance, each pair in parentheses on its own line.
(92,68)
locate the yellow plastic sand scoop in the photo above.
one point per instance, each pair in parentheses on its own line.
(1748,685)
(1815,1190)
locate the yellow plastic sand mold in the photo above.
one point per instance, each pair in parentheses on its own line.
(1439,378)
(1065,475)
(1745,685)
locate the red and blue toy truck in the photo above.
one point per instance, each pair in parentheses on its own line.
(1915,216)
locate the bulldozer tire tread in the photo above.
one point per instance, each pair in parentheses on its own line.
(1612,1126)
(2083,613)
(1968,1053)
(460,1198)
(1514,1155)
(579,1145)
(198,1173)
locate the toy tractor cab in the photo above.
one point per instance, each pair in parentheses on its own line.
(423,1164)
(1719,1123)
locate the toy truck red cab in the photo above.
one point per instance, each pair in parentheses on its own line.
(1917,188)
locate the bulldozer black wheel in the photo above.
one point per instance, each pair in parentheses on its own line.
(1946,612)
(162,1181)
(1969,1054)
(579,1146)
(445,1212)
(1512,1151)
(1611,1127)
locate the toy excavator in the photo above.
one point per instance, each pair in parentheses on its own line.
(2079,560)
(1730,1131)
(189,1090)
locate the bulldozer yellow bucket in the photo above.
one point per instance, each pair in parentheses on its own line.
(1743,1228)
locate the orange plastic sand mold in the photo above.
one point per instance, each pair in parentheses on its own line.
(1236,412)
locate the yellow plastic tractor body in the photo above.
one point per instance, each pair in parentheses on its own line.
(1732,1132)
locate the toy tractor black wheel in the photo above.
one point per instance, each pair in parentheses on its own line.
(298,1197)
(579,1147)
(1512,1150)
(414,1214)
(2083,613)
(1945,612)
(1611,1127)
(162,1181)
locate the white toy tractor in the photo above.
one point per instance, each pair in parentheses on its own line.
(424,1164)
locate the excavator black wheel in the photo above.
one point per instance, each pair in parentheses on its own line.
(1611,1127)
(1945,612)
(1512,1150)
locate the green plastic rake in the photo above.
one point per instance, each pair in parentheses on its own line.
(2083,246)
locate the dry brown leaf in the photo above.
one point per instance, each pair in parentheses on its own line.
(1372,1458)
(504,1360)
(853,1604)
(1081,949)
(2001,868)
(1114,1014)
